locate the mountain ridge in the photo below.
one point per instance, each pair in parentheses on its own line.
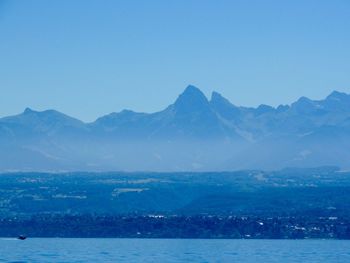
(334,95)
(193,133)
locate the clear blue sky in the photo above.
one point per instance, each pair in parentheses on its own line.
(89,58)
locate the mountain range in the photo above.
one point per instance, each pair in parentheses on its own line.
(192,134)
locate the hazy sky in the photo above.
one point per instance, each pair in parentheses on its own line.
(89,58)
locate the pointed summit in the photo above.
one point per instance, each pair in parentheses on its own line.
(336,95)
(217,98)
(337,101)
(191,88)
(193,93)
(28,110)
(191,99)
(223,106)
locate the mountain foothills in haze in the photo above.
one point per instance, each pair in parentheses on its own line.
(193,134)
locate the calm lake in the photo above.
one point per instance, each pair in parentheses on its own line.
(172,250)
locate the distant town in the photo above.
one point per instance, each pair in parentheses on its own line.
(287,204)
(164,226)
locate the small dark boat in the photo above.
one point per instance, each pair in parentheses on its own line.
(21,237)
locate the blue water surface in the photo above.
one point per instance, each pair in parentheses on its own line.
(172,250)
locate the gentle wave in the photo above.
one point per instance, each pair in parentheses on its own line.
(172,250)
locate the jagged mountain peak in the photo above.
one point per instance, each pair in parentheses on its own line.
(303,100)
(192,99)
(51,112)
(116,118)
(224,107)
(263,108)
(337,101)
(216,97)
(192,92)
(305,105)
(28,111)
(282,108)
(192,89)
(218,101)
(129,113)
(192,130)
(337,95)
(33,119)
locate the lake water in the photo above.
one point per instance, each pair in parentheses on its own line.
(172,250)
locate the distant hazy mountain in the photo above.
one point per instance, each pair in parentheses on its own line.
(193,133)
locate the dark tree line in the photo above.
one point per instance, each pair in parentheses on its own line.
(200,226)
